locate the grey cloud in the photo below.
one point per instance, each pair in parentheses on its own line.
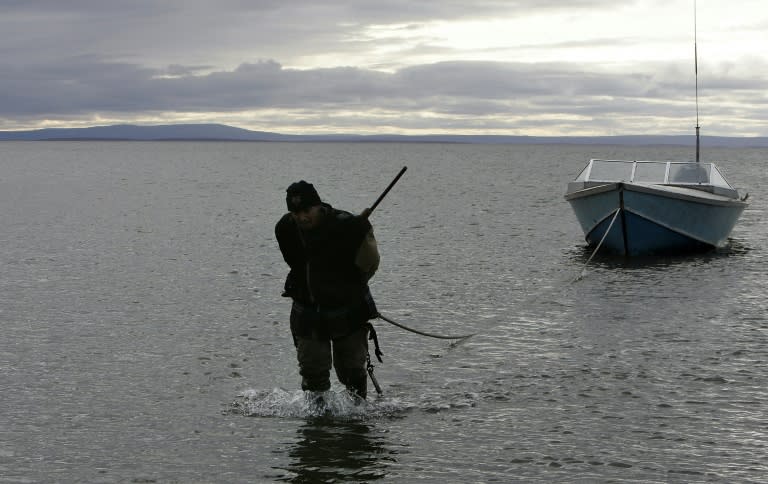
(453,88)
(230,31)
(392,10)
(128,58)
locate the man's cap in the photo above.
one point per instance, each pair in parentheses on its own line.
(301,196)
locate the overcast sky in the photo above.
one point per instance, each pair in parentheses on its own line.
(517,67)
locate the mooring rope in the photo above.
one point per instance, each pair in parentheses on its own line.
(584,268)
(536,296)
(369,365)
(422,333)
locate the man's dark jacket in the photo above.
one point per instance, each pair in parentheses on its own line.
(322,260)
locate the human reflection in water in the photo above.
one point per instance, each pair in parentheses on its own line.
(337,452)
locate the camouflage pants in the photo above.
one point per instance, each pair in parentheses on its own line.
(348,356)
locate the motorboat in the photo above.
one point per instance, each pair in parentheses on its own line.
(654,207)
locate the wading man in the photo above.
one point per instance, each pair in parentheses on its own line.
(332,255)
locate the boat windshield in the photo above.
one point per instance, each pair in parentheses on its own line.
(656,172)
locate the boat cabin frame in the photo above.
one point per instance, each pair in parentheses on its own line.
(699,176)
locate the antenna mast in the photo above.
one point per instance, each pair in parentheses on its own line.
(696,72)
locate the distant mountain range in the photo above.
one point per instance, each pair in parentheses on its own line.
(220,132)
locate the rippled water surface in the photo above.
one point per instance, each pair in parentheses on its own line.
(145,340)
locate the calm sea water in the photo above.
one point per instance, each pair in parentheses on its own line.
(144,338)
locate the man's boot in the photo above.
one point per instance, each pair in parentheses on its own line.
(356,382)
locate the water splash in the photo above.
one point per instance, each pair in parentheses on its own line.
(336,405)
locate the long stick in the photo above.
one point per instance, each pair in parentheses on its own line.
(384,194)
